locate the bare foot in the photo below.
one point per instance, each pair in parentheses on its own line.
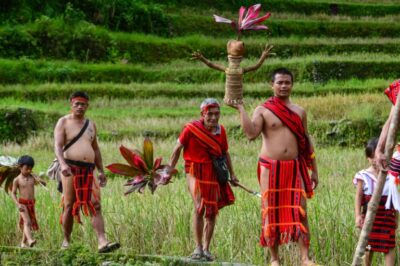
(23,245)
(65,244)
(275,263)
(309,263)
(32,243)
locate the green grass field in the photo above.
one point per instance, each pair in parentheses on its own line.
(136,220)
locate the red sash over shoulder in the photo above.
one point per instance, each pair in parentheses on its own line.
(294,123)
(206,138)
(392,91)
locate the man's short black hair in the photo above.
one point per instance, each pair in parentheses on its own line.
(79,94)
(26,160)
(282,71)
(371,147)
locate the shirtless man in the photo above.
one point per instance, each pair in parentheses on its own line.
(24,184)
(77,165)
(285,155)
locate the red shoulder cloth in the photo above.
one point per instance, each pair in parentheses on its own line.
(198,129)
(293,121)
(392,91)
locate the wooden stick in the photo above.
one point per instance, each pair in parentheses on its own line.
(374,202)
(255,193)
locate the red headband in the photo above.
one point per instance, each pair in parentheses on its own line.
(208,106)
(80,99)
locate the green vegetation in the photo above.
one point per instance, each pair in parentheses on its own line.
(316,68)
(235,238)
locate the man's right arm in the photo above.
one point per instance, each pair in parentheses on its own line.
(14,194)
(251,127)
(59,141)
(175,154)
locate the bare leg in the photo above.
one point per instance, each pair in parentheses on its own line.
(198,218)
(27,227)
(98,220)
(368,258)
(209,231)
(304,248)
(23,241)
(390,258)
(264,185)
(274,251)
(69,199)
(198,227)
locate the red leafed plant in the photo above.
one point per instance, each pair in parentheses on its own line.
(250,21)
(143,169)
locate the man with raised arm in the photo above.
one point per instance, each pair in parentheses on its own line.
(77,163)
(285,157)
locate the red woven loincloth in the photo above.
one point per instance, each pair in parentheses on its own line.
(213,196)
(383,234)
(30,206)
(83,185)
(280,203)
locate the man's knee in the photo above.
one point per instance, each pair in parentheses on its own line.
(68,206)
(211,218)
(97,206)
(27,223)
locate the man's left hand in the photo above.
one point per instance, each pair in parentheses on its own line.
(102,179)
(314,179)
(234,181)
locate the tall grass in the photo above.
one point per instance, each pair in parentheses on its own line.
(142,228)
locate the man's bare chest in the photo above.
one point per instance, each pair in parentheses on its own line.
(72,130)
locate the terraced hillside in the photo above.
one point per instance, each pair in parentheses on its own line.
(133,58)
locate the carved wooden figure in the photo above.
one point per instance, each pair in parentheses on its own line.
(234,72)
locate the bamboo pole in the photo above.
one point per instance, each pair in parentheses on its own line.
(374,202)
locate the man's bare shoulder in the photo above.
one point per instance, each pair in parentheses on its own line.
(62,120)
(260,110)
(297,109)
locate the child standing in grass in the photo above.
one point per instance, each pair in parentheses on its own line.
(382,237)
(25,184)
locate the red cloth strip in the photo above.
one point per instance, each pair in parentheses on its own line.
(30,205)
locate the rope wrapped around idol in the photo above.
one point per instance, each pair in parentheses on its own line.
(234,73)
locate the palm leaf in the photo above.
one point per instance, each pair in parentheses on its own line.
(148,153)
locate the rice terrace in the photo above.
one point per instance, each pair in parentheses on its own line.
(134,59)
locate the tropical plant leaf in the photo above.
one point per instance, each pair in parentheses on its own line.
(148,153)
(140,164)
(138,187)
(123,169)
(247,20)
(157,163)
(128,154)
